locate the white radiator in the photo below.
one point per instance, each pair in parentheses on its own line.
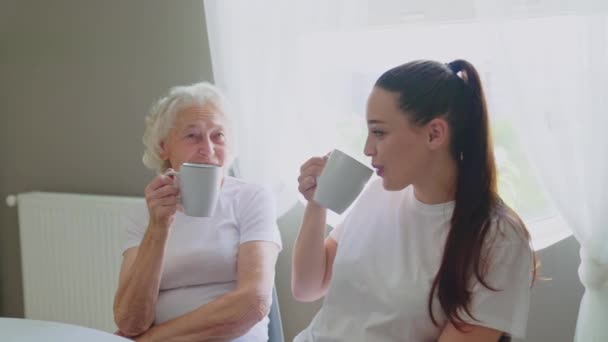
(71,249)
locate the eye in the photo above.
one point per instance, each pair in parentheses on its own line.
(192,136)
(220,136)
(378,133)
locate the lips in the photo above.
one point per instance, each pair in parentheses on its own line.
(379,169)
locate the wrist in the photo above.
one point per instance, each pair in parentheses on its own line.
(314,206)
(159,223)
(159,229)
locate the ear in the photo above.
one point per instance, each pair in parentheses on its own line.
(163,151)
(437,133)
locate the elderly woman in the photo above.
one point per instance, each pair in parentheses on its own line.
(188,278)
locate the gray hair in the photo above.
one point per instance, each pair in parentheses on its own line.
(161,118)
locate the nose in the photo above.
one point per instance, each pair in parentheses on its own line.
(205,147)
(369,149)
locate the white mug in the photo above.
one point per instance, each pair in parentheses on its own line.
(199,188)
(341,181)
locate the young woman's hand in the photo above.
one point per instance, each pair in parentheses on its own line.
(309,171)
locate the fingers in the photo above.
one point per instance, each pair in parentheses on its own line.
(312,167)
(315,161)
(309,171)
(164,201)
(158,182)
(307,183)
(313,170)
(161,190)
(164,191)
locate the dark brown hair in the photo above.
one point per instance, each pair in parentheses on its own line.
(429,90)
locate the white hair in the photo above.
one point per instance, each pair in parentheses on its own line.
(161,118)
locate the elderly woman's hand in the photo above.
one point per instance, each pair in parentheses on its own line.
(309,171)
(161,198)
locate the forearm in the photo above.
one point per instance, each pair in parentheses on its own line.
(225,318)
(309,255)
(135,301)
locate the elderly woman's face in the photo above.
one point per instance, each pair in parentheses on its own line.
(198,135)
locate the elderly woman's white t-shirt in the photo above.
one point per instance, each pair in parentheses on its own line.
(389,250)
(201,257)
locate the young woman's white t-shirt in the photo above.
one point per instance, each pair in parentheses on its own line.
(389,250)
(201,256)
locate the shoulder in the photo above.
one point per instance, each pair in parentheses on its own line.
(254,211)
(240,188)
(135,222)
(508,240)
(249,197)
(508,228)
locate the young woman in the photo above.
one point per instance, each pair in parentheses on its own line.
(429,252)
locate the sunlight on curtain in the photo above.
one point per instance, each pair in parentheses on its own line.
(299,74)
(561,105)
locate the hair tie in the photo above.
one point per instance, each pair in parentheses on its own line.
(457,71)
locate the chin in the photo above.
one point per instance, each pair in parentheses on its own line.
(392,185)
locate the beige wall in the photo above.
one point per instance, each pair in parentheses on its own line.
(76,80)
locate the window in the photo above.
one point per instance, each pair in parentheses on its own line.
(336,71)
(303,87)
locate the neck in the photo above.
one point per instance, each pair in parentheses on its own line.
(437,185)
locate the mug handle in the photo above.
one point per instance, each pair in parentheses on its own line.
(176,180)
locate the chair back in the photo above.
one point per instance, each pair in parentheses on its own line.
(275,325)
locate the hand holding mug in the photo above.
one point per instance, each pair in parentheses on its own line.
(309,172)
(340,182)
(162,199)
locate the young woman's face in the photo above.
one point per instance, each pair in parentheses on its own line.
(198,135)
(398,149)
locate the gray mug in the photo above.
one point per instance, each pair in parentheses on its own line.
(341,181)
(199,186)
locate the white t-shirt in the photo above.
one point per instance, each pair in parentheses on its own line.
(389,250)
(201,257)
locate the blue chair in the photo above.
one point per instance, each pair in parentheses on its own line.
(275,325)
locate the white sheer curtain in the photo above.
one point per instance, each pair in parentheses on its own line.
(562,111)
(257,60)
(299,73)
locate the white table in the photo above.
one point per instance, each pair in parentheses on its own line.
(27,330)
